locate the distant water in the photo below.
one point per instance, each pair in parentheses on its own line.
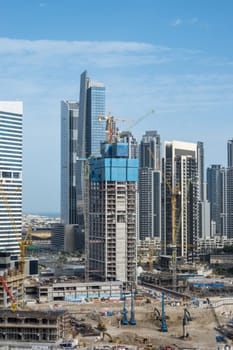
(48,214)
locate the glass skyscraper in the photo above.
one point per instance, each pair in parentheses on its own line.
(150,185)
(230,153)
(11,116)
(91,131)
(69,142)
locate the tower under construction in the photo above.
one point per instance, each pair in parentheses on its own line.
(112,207)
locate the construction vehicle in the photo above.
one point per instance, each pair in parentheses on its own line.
(8,291)
(111,338)
(101,326)
(149,347)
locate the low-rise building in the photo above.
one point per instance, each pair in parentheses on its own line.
(31,326)
(70,290)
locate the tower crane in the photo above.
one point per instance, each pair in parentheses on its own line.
(151,111)
(23,244)
(110,125)
(8,291)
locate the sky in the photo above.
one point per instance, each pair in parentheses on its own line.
(172,56)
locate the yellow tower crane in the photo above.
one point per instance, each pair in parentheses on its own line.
(27,240)
(110,125)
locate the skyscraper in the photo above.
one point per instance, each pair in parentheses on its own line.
(150,186)
(91,131)
(181,182)
(204,216)
(230,153)
(229,201)
(112,214)
(215,195)
(229,189)
(11,134)
(200,161)
(69,147)
(127,137)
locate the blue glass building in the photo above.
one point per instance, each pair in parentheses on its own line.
(91,131)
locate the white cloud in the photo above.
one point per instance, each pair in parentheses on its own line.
(178,21)
(138,77)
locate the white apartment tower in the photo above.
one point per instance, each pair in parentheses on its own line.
(11,115)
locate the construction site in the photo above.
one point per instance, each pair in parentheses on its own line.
(141,323)
(166,309)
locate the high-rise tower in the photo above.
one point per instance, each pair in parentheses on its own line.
(150,186)
(230,153)
(216,195)
(180,182)
(91,131)
(11,115)
(229,189)
(112,212)
(69,147)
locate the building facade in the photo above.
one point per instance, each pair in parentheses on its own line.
(229,201)
(180,186)
(11,135)
(69,147)
(230,153)
(216,196)
(127,137)
(204,217)
(91,131)
(150,186)
(112,215)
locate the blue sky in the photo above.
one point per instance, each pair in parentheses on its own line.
(173,56)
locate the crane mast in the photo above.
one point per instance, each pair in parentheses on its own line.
(174,253)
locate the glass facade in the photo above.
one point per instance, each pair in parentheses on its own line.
(95,131)
(11,115)
(91,131)
(69,142)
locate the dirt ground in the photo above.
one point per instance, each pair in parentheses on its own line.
(202,333)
